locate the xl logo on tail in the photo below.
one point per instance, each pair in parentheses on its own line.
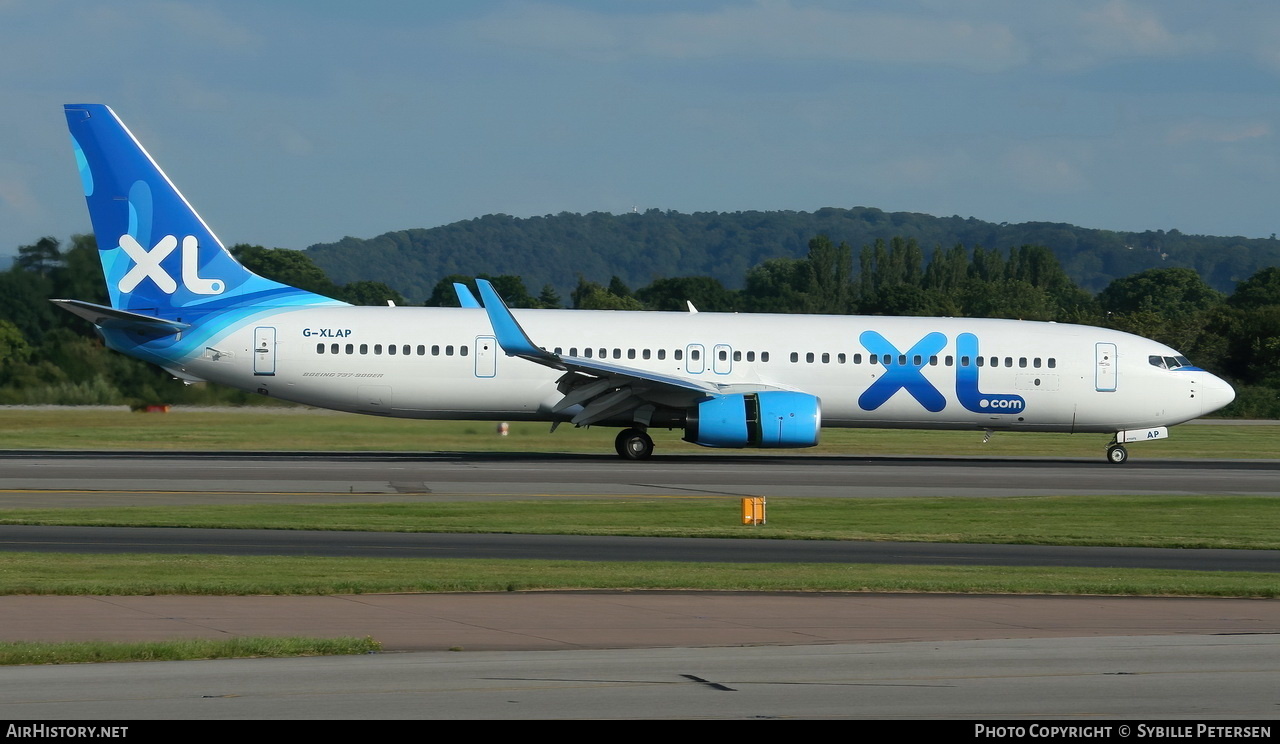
(147,266)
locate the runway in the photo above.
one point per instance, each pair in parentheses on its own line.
(639,655)
(121,478)
(86,479)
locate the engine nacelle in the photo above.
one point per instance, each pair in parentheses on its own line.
(771,418)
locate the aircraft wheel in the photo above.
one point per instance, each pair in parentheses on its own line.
(1117,454)
(633,444)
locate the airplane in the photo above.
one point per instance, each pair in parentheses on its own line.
(181,301)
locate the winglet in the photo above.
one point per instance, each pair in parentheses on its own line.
(511,337)
(465,298)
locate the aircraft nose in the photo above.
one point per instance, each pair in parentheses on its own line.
(1215,393)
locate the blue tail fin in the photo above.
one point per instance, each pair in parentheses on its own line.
(159,258)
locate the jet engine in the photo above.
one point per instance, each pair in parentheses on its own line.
(771,418)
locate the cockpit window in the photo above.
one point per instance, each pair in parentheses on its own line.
(1169,362)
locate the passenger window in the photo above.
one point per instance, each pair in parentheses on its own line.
(435,350)
(391,349)
(695,355)
(678,354)
(751,356)
(662,354)
(1052,363)
(644,354)
(1022,361)
(1036,362)
(462,350)
(351,349)
(981,361)
(333,349)
(319,348)
(826,358)
(586,353)
(795,356)
(422,350)
(448,350)
(857,359)
(631,353)
(764,356)
(617,353)
(933,360)
(841,358)
(809,357)
(364,348)
(1008,361)
(902,360)
(916,361)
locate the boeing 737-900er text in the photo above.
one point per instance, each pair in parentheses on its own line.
(181,301)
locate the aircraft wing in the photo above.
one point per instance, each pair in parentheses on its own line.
(603,390)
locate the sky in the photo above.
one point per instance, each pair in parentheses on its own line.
(294,122)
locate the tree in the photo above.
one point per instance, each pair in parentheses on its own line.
(1173,293)
(549,298)
(591,296)
(778,285)
(286,266)
(672,294)
(42,257)
(1259,290)
(830,270)
(368,293)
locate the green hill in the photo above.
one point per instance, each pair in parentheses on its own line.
(641,247)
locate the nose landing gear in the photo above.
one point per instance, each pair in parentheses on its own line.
(1117,454)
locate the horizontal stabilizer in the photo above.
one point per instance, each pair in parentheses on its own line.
(121,320)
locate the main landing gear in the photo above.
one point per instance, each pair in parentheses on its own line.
(633,444)
(1117,454)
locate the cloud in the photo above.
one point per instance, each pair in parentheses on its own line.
(1043,170)
(1217,131)
(776,30)
(1122,28)
(15,197)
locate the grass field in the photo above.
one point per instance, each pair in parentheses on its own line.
(34,652)
(312,430)
(1145,521)
(1184,521)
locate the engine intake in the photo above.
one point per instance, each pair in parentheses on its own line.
(772,418)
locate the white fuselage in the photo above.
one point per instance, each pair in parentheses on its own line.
(447,365)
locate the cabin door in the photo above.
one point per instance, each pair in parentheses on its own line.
(264,350)
(486,356)
(1105,368)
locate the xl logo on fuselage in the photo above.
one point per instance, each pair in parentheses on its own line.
(147,266)
(904,371)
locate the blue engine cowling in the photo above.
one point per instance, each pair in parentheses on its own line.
(772,418)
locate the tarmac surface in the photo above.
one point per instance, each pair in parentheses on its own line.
(529,621)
